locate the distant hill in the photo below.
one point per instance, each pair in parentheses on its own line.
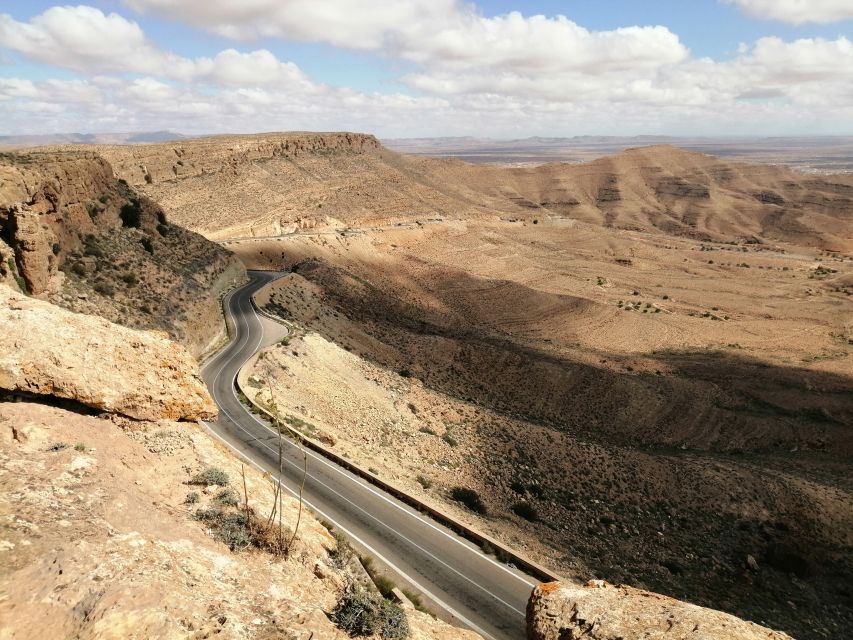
(132,137)
(815,154)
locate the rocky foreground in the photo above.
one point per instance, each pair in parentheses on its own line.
(601,611)
(121,523)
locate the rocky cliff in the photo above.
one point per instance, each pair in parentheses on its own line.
(48,351)
(78,236)
(151,164)
(269,184)
(601,611)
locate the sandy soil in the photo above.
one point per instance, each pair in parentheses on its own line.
(658,445)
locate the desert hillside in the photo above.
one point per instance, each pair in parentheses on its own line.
(641,365)
(278,183)
(73,233)
(124,518)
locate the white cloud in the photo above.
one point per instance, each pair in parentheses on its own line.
(501,76)
(798,11)
(351,24)
(85,39)
(432,32)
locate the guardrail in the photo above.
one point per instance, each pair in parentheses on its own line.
(518,559)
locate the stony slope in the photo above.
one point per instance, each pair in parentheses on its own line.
(108,533)
(76,235)
(600,611)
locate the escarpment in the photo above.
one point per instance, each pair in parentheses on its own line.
(80,237)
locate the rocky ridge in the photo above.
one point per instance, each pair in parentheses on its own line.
(72,233)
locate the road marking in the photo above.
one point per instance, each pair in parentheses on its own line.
(381,495)
(382,558)
(374,518)
(235,348)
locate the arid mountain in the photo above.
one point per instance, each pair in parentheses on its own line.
(672,191)
(268,185)
(71,232)
(641,364)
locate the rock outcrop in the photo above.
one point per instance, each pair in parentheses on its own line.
(601,611)
(101,541)
(47,351)
(142,165)
(87,241)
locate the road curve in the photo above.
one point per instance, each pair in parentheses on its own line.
(459,583)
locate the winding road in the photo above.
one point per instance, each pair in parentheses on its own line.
(457,581)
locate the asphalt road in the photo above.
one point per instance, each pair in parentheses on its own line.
(458,582)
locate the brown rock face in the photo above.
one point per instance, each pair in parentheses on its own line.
(601,611)
(49,351)
(85,240)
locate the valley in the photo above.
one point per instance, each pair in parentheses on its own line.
(636,369)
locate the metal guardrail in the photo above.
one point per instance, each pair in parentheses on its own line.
(518,559)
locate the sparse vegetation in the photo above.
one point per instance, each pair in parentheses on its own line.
(58,446)
(525,510)
(425,482)
(80,447)
(192,497)
(227,497)
(469,498)
(361,613)
(211,476)
(343,551)
(105,289)
(131,214)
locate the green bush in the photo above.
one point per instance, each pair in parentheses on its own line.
(469,498)
(147,244)
(129,279)
(227,497)
(192,497)
(361,613)
(425,482)
(210,476)
(525,510)
(230,528)
(80,446)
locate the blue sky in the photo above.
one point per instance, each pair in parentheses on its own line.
(715,67)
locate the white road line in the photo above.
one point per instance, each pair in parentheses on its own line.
(368,487)
(238,346)
(377,520)
(352,535)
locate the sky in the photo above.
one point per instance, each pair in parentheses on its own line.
(426,68)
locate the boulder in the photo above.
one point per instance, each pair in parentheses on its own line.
(602,611)
(46,350)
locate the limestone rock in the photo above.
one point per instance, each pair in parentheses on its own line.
(46,350)
(601,611)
